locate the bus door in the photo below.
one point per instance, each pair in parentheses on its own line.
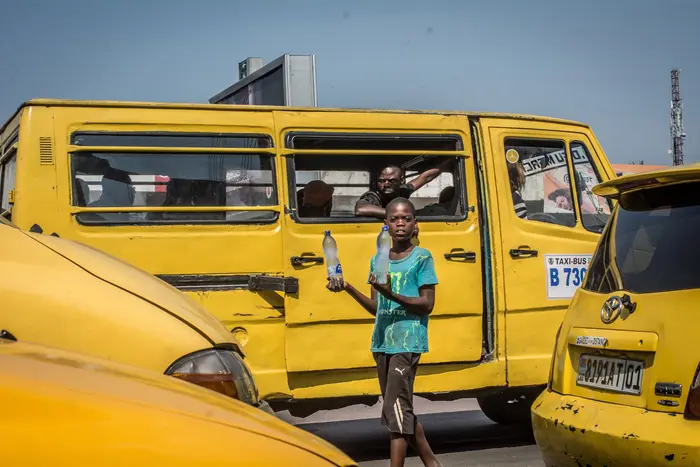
(330,331)
(550,224)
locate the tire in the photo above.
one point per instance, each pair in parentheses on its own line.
(510,407)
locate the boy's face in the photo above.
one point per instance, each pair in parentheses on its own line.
(401,222)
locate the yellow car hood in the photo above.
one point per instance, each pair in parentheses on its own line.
(81,382)
(140,283)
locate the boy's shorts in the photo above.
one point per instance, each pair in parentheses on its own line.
(397,373)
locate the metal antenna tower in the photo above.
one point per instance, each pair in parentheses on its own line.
(677,135)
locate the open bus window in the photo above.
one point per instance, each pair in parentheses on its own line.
(113,180)
(538,175)
(327,186)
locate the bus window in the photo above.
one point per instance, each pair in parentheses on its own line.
(349,177)
(121,179)
(539,180)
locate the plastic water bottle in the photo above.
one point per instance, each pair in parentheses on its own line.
(381,261)
(330,250)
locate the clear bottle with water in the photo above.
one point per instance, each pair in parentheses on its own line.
(330,250)
(381,261)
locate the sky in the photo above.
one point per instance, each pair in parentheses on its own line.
(602,62)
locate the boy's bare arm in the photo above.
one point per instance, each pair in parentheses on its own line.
(421,305)
(368,303)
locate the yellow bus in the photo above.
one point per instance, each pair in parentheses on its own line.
(210,198)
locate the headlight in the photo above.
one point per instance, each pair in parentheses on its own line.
(220,370)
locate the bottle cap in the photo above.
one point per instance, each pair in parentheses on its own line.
(385,227)
(328,233)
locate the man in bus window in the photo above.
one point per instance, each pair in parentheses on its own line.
(390,186)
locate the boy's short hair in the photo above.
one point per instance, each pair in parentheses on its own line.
(401,201)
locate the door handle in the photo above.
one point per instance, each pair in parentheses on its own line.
(468,255)
(302,260)
(523,251)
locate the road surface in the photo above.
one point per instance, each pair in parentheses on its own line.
(458,432)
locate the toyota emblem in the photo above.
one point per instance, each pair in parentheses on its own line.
(611,309)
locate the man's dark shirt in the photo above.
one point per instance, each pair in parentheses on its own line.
(374,198)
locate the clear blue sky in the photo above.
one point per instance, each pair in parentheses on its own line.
(606,63)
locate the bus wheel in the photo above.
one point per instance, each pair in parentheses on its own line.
(509,407)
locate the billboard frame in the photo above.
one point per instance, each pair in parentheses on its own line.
(298,76)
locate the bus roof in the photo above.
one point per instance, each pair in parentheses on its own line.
(222,107)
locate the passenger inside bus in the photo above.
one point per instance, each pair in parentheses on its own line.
(444,206)
(315,199)
(516,174)
(178,192)
(116,190)
(184,192)
(390,185)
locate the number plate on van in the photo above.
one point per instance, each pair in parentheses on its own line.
(613,374)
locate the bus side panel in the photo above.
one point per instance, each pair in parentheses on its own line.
(36,186)
(44,199)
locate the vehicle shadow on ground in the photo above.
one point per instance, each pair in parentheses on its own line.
(368,440)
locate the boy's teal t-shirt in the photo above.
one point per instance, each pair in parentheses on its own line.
(396,329)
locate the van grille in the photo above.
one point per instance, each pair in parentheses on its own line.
(45,150)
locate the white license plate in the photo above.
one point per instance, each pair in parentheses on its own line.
(612,374)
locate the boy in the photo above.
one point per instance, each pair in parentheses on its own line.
(401,307)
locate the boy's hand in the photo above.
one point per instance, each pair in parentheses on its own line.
(380,287)
(336,284)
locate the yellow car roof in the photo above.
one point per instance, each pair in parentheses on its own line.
(67,389)
(679,174)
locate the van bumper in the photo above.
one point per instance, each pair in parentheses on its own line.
(573,431)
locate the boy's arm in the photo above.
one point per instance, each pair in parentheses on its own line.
(421,305)
(425,302)
(368,303)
